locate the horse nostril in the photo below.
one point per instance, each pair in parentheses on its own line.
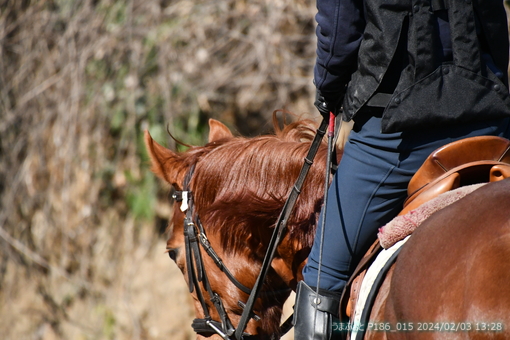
(173,252)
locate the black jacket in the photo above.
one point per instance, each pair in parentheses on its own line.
(438,61)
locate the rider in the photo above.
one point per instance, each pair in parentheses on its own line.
(413,75)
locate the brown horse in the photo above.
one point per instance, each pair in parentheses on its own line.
(451,280)
(239,187)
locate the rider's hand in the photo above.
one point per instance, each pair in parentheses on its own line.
(328,102)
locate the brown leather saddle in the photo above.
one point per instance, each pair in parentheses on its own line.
(464,162)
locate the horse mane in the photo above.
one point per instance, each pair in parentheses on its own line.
(240,185)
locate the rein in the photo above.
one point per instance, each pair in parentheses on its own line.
(196,270)
(280,226)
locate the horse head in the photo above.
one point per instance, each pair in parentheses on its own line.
(238,187)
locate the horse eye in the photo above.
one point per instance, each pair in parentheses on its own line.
(172,253)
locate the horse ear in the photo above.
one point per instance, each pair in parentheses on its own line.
(218,130)
(166,164)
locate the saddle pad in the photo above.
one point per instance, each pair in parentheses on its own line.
(359,325)
(404,225)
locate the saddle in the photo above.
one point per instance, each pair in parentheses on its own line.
(464,162)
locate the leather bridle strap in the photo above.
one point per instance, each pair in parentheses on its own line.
(280,226)
(196,274)
(190,234)
(196,269)
(217,260)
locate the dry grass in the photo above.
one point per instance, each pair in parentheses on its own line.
(81,252)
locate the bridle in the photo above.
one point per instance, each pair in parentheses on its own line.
(194,234)
(194,237)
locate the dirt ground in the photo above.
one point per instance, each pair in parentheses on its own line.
(148,300)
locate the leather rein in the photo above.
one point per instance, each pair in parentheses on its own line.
(195,236)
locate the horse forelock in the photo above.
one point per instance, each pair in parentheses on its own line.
(240,187)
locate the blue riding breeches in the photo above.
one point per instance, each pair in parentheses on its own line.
(369,189)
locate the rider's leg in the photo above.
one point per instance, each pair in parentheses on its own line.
(346,205)
(368,191)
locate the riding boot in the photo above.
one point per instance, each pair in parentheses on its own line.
(314,315)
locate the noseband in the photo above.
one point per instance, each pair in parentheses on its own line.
(194,236)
